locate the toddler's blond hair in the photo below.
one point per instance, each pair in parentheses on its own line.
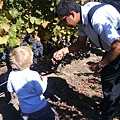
(21,57)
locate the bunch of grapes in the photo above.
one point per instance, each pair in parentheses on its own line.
(37,49)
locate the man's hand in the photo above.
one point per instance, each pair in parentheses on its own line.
(96,67)
(58,55)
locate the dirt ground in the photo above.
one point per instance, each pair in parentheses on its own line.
(73,90)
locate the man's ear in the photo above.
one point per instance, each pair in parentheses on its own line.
(72,13)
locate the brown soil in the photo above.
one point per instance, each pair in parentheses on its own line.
(73,90)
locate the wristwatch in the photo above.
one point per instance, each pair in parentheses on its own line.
(100,65)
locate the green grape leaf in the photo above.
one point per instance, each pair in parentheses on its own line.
(13,28)
(32,20)
(5,20)
(30,30)
(12,32)
(1,17)
(11,1)
(2,50)
(13,41)
(13,12)
(6,27)
(19,24)
(51,9)
(57,1)
(54,39)
(20,21)
(4,39)
(38,21)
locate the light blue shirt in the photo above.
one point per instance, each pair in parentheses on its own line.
(29,88)
(105,22)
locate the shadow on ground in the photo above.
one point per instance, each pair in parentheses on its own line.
(70,104)
(7,110)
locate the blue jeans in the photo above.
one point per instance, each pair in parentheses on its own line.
(44,114)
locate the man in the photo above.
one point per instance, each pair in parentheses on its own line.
(103,31)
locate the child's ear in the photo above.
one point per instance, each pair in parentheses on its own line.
(31,62)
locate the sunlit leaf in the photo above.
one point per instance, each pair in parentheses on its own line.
(1,4)
(54,39)
(4,39)
(32,20)
(5,20)
(2,50)
(38,21)
(14,12)
(57,1)
(45,24)
(51,9)
(20,21)
(13,41)
(39,12)
(53,4)
(5,24)
(19,24)
(30,30)
(6,27)
(11,1)
(12,33)
(23,16)
(13,28)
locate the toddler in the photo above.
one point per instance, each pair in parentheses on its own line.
(29,86)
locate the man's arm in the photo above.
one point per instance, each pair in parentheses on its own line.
(79,44)
(112,54)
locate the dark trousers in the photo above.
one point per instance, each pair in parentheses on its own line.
(110,79)
(44,114)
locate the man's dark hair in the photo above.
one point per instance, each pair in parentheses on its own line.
(64,7)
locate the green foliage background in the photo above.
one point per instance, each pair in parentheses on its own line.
(20,17)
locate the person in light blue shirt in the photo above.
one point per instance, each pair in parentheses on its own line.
(29,86)
(103,29)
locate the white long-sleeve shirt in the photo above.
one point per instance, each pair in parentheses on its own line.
(29,88)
